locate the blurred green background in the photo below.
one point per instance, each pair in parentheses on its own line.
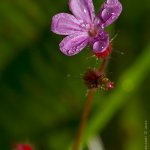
(42,94)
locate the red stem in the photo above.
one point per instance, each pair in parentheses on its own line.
(84,119)
(102,66)
(87,108)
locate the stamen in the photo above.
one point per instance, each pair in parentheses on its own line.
(93,30)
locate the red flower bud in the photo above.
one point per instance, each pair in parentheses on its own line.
(110,85)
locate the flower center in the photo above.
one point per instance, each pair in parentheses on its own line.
(93,30)
(90,28)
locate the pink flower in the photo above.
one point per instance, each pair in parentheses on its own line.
(84,28)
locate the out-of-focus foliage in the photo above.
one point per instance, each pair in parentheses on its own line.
(41,91)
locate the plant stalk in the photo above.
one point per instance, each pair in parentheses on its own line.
(87,108)
(84,118)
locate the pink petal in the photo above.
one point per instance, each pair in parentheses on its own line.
(109,12)
(101,43)
(65,24)
(74,43)
(82,10)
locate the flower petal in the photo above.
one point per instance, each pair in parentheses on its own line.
(101,43)
(73,44)
(109,12)
(65,24)
(83,10)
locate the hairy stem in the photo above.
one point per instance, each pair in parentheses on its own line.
(103,65)
(84,118)
(87,108)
